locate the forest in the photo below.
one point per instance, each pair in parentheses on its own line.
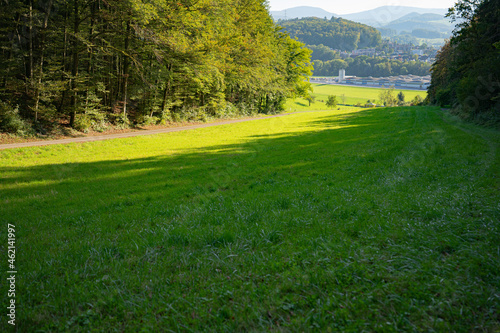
(336,33)
(365,66)
(88,63)
(466,74)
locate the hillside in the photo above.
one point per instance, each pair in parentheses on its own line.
(384,15)
(100,64)
(414,21)
(381,220)
(301,12)
(427,24)
(336,33)
(377,17)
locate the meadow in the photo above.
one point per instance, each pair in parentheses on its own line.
(381,219)
(353,95)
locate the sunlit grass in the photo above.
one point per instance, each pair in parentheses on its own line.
(353,95)
(373,219)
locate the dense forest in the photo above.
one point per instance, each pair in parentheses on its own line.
(336,33)
(87,63)
(466,74)
(327,62)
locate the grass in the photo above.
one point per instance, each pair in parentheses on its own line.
(368,220)
(353,95)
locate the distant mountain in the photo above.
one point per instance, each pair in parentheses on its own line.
(301,12)
(382,16)
(389,20)
(420,25)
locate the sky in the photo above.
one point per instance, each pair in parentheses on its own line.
(355,6)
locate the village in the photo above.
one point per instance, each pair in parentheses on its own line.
(400,81)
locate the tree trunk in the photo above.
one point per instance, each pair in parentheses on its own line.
(42,46)
(125,70)
(74,68)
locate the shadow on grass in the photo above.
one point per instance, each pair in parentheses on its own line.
(96,236)
(200,173)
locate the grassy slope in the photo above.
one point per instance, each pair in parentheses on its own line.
(353,95)
(378,220)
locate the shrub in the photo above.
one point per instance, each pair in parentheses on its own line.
(387,97)
(11,121)
(120,120)
(331,101)
(147,120)
(93,119)
(82,123)
(417,100)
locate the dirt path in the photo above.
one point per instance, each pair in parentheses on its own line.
(130,134)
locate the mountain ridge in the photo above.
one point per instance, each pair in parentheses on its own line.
(376,17)
(389,20)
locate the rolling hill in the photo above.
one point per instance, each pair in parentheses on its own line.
(301,12)
(377,17)
(416,21)
(382,16)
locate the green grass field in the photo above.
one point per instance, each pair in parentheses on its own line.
(353,95)
(375,220)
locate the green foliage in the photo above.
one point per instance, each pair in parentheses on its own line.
(418,100)
(11,121)
(82,123)
(336,33)
(388,97)
(331,102)
(311,99)
(146,59)
(365,66)
(346,95)
(401,97)
(466,74)
(322,52)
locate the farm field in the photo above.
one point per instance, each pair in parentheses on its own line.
(353,95)
(381,219)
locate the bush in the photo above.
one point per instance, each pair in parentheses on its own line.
(147,120)
(11,121)
(120,120)
(388,98)
(331,101)
(82,123)
(417,101)
(93,119)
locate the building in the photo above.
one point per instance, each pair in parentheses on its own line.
(341,75)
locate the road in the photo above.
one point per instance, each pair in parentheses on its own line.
(130,134)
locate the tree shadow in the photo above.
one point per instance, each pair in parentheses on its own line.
(190,175)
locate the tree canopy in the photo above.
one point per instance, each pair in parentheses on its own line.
(84,61)
(336,33)
(466,74)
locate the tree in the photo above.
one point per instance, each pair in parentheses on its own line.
(387,97)
(418,100)
(467,69)
(331,101)
(311,99)
(81,62)
(336,33)
(401,98)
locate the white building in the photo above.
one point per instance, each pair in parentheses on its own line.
(342,75)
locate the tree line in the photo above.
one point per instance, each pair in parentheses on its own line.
(336,33)
(85,63)
(365,66)
(466,74)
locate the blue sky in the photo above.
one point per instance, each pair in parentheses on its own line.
(354,6)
